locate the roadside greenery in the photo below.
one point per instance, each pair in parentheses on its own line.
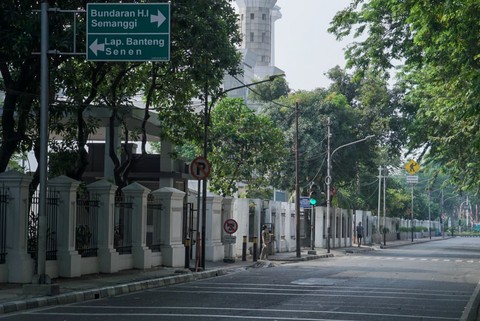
(430,109)
(245,148)
(167,87)
(433,46)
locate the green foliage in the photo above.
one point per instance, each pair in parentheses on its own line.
(356,109)
(415,229)
(245,148)
(270,91)
(203,49)
(435,45)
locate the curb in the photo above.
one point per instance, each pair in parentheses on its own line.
(109,291)
(360,250)
(411,243)
(303,258)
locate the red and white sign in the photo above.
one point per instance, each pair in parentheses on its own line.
(200,168)
(230,226)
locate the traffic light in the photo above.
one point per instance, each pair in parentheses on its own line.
(313,194)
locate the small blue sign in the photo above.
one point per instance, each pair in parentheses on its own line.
(305,202)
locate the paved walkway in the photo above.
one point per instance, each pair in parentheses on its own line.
(90,287)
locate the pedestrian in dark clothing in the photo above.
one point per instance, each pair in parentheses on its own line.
(359,233)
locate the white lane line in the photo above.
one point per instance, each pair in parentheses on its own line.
(258,311)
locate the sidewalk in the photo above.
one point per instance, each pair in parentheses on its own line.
(91,287)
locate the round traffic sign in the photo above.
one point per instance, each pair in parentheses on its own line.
(230,226)
(200,168)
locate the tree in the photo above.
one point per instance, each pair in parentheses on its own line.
(269,91)
(314,109)
(435,45)
(202,50)
(246,148)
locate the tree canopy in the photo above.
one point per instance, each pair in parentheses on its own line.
(435,46)
(246,148)
(203,49)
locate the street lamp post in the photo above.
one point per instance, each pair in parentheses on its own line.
(328,178)
(208,107)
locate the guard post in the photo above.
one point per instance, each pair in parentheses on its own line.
(255,242)
(244,248)
(187,253)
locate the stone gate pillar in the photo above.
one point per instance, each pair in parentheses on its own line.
(20,266)
(107,255)
(171,243)
(69,261)
(141,253)
(227,213)
(214,249)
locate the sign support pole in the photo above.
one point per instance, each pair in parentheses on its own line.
(412,211)
(41,277)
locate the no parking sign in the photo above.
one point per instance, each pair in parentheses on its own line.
(200,168)
(230,226)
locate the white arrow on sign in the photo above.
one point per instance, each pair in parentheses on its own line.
(97,47)
(159,18)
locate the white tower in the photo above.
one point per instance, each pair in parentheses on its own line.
(257,25)
(257,18)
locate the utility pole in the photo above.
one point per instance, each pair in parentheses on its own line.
(379,199)
(384,208)
(442,218)
(297,186)
(429,218)
(204,183)
(328,180)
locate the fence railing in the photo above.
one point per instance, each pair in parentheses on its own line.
(87,224)
(122,236)
(51,223)
(153,223)
(4,198)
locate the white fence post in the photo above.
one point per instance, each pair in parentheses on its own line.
(227,206)
(68,259)
(107,255)
(214,249)
(141,253)
(172,248)
(17,224)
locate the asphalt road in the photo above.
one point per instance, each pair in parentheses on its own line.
(430,281)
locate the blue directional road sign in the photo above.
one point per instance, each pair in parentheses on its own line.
(128,32)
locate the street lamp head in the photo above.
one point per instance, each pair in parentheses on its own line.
(272,77)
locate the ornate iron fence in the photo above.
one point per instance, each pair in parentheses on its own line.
(153,223)
(86,229)
(51,223)
(4,198)
(122,233)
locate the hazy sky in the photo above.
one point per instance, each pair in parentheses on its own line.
(303,47)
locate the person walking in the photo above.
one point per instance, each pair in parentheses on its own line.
(359,233)
(265,241)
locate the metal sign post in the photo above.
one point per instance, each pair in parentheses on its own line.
(412,167)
